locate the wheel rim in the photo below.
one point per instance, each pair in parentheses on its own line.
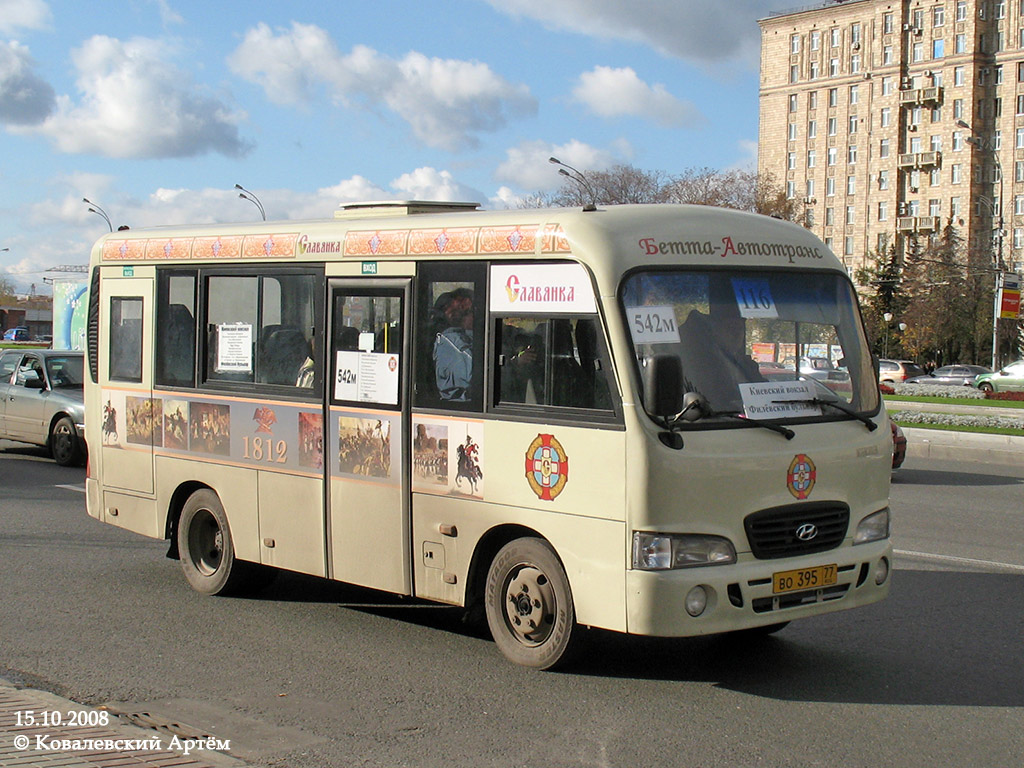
(205,542)
(529,605)
(62,445)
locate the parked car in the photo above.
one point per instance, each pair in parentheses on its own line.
(41,401)
(897,371)
(899,445)
(817,368)
(1009,379)
(951,376)
(16,334)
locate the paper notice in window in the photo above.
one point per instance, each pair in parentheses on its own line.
(234,348)
(366,377)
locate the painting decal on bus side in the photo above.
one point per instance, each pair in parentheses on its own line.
(448,457)
(278,436)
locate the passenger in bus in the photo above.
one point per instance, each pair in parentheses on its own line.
(522,374)
(713,351)
(453,347)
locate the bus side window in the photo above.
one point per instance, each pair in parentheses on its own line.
(125,339)
(451,303)
(554,361)
(176,329)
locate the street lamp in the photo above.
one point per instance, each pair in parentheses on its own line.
(245,194)
(94,208)
(981,143)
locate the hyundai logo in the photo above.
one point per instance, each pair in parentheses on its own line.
(807,531)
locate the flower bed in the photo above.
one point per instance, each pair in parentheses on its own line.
(934,390)
(958,420)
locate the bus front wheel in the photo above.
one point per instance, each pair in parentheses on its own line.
(529,605)
(204,544)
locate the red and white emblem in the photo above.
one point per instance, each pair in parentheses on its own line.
(547,467)
(801,476)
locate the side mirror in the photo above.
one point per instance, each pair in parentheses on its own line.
(36,383)
(663,385)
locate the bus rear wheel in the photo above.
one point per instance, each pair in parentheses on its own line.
(205,547)
(529,605)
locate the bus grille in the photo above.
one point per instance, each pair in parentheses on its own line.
(773,533)
(796,599)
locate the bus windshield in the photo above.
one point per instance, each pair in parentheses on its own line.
(764,345)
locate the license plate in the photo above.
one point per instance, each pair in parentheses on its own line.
(804,578)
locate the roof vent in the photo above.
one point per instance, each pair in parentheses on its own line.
(401,208)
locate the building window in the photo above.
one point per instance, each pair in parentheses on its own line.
(919,19)
(958,75)
(854,93)
(815,40)
(833,96)
(812,100)
(1018,171)
(1018,205)
(1020,104)
(832,126)
(938,16)
(832,155)
(883,148)
(883,210)
(811,156)
(1000,9)
(851,214)
(936,114)
(853,123)
(814,70)
(961,10)
(790,190)
(955,176)
(1018,237)
(960,43)
(794,73)
(833,67)
(794,44)
(954,206)
(848,245)
(887,86)
(1020,139)
(792,131)
(958,141)
(851,154)
(830,187)
(918,52)
(936,143)
(851,185)
(887,24)
(883,179)
(915,116)
(915,144)
(884,116)
(938,48)
(791,161)
(812,129)
(792,102)
(999,74)
(834,37)
(934,177)
(809,188)
(854,33)
(958,109)
(881,241)
(997,139)
(855,63)
(886,55)
(830,217)
(934,207)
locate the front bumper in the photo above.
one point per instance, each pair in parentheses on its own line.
(740,596)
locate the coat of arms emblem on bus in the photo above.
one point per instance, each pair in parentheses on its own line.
(547,467)
(801,476)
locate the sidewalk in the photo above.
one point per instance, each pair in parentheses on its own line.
(41,729)
(964,446)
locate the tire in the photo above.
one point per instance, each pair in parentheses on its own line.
(986,387)
(65,446)
(529,605)
(205,547)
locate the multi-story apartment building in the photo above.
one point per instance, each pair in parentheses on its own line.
(889,118)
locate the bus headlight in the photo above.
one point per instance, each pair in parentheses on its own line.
(662,551)
(873,527)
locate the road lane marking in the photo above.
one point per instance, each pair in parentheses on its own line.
(79,488)
(960,560)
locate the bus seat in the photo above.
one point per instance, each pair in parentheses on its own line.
(282,355)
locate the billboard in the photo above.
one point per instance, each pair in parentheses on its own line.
(70,312)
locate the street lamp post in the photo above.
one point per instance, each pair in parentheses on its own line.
(888,319)
(94,208)
(245,194)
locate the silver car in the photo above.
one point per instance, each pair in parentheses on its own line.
(41,401)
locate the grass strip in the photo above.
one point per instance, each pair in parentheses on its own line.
(952,428)
(954,401)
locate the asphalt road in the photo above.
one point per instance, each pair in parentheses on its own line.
(318,674)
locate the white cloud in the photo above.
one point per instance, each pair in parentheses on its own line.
(446,102)
(527,167)
(135,104)
(701,31)
(23,14)
(25,98)
(610,92)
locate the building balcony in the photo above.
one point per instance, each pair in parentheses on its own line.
(919,159)
(915,96)
(918,223)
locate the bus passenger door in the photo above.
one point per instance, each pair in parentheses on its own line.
(367,423)
(131,417)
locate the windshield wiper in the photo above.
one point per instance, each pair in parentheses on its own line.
(786,432)
(867,422)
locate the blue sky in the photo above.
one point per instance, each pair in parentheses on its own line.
(155,109)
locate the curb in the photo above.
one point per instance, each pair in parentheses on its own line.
(100,740)
(961,446)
